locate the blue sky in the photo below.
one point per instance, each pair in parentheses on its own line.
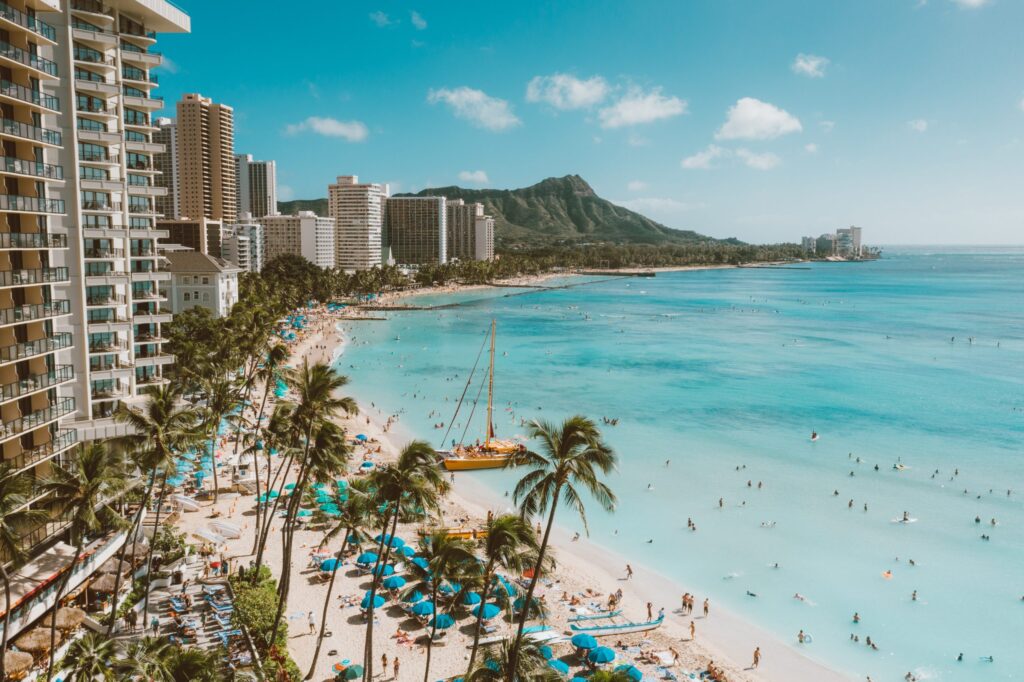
(761,120)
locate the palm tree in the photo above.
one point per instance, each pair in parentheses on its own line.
(572,456)
(145,659)
(278,435)
(158,432)
(193,665)
(15,492)
(530,665)
(412,487)
(448,559)
(221,398)
(91,657)
(84,486)
(356,512)
(317,404)
(277,355)
(509,544)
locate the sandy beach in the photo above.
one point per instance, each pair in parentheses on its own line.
(584,569)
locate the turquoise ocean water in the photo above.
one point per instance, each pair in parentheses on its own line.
(721,369)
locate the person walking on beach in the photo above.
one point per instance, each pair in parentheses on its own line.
(312,623)
(394,667)
(650,611)
(383,665)
(629,571)
(707,605)
(154,625)
(757,657)
(693,631)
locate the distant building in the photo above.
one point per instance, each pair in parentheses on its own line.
(257,186)
(825,246)
(848,243)
(242,244)
(166,162)
(417,229)
(470,231)
(201,280)
(358,212)
(201,234)
(206,182)
(808,244)
(306,234)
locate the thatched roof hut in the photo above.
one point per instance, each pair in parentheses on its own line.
(105,583)
(16,662)
(68,618)
(36,640)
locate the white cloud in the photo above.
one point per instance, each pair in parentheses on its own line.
(810,65)
(702,160)
(918,125)
(417,20)
(477,107)
(168,65)
(564,91)
(352,131)
(971,4)
(765,161)
(752,119)
(637,107)
(811,148)
(285,193)
(827,126)
(636,185)
(477,177)
(381,19)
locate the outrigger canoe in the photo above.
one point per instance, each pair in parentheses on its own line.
(596,616)
(615,628)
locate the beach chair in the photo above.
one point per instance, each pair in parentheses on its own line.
(178,605)
(223,620)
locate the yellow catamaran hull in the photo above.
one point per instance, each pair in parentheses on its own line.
(456,463)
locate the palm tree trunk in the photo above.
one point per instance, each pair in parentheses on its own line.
(514,653)
(256,433)
(327,605)
(213,462)
(56,604)
(383,554)
(433,630)
(156,532)
(480,614)
(7,620)
(133,529)
(268,518)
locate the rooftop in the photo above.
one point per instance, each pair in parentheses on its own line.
(193,261)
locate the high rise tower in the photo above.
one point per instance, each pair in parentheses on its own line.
(207,186)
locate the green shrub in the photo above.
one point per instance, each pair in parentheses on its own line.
(255,608)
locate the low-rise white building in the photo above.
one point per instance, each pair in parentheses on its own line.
(201,280)
(242,244)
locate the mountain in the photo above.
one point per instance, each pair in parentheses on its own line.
(554,211)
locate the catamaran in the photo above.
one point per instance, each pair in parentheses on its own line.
(492,453)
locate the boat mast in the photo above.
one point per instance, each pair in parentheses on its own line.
(490,388)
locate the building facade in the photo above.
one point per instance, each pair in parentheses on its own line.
(470,231)
(242,244)
(809,245)
(417,229)
(199,280)
(207,187)
(358,212)
(848,244)
(202,235)
(166,163)
(257,186)
(306,234)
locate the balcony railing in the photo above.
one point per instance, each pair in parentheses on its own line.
(31,23)
(24,94)
(19,55)
(15,202)
(139,74)
(109,319)
(110,365)
(28,349)
(103,253)
(30,132)
(109,392)
(91,107)
(10,278)
(34,168)
(61,408)
(110,346)
(61,441)
(32,240)
(97,157)
(93,205)
(35,382)
(105,300)
(94,6)
(83,54)
(34,311)
(140,165)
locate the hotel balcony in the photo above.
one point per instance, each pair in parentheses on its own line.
(99,137)
(19,94)
(93,11)
(152,102)
(94,58)
(24,131)
(96,87)
(31,349)
(152,318)
(117,370)
(151,276)
(82,31)
(96,108)
(154,359)
(109,278)
(113,392)
(98,158)
(11,17)
(14,241)
(144,147)
(112,324)
(13,166)
(105,301)
(150,380)
(14,203)
(20,278)
(33,420)
(109,347)
(27,459)
(102,253)
(94,206)
(19,57)
(60,374)
(34,311)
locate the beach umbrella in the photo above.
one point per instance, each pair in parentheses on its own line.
(394,582)
(378,601)
(546,652)
(342,484)
(329,564)
(361,436)
(471,599)
(200,475)
(632,671)
(559,666)
(384,570)
(420,561)
(305,513)
(584,641)
(329,507)
(391,541)
(579,679)
(450,588)
(289,486)
(423,608)
(353,672)
(366,558)
(366,465)
(489,610)
(600,655)
(406,551)
(502,585)
(413,597)
(441,621)
(319,485)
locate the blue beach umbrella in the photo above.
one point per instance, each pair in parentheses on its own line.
(406,551)
(200,475)
(471,599)
(366,558)
(361,436)
(420,561)
(559,666)
(450,588)
(489,610)
(329,507)
(289,486)
(632,671)
(328,565)
(423,608)
(378,601)
(305,513)
(392,541)
(584,641)
(384,570)
(442,621)
(341,484)
(394,582)
(600,655)
(413,597)
(366,465)
(546,652)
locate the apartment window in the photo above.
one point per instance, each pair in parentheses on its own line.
(95,200)
(89,124)
(187,279)
(90,104)
(86,75)
(87,54)
(96,221)
(188,297)
(195,295)
(133,73)
(90,173)
(206,280)
(85,25)
(135,92)
(138,161)
(136,118)
(135,136)
(91,152)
